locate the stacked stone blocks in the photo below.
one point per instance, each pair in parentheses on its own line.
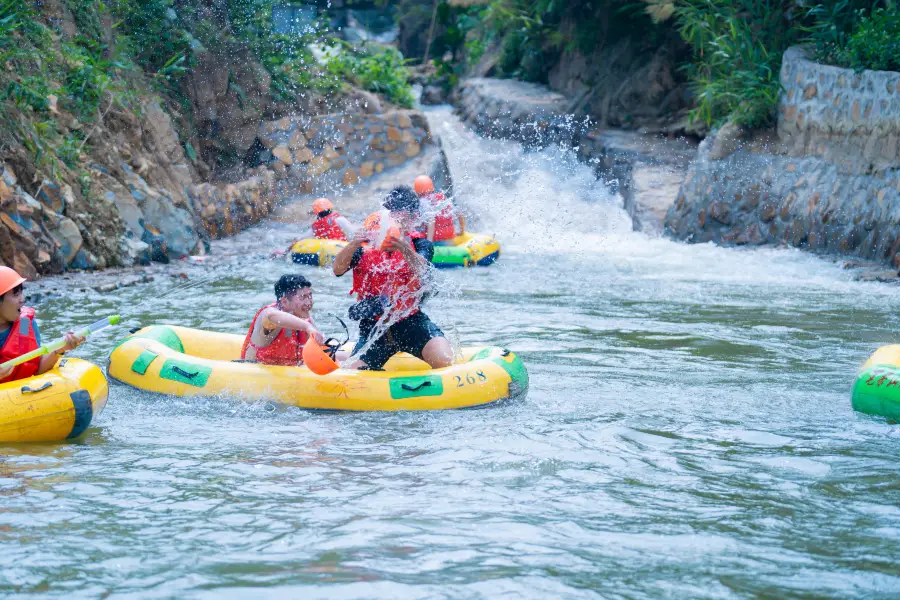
(326,154)
(831,183)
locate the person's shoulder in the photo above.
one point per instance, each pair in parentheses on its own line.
(265,312)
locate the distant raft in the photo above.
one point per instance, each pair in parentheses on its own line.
(58,405)
(877,387)
(179,361)
(467,250)
(316,252)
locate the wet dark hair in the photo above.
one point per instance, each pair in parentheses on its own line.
(290,284)
(402,199)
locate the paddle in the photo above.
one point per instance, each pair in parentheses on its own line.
(59,343)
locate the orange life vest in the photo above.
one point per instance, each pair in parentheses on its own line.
(327,228)
(380,273)
(21,340)
(443,222)
(285,350)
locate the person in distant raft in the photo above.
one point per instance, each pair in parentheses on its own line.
(330,225)
(439,229)
(388,282)
(19,332)
(279,330)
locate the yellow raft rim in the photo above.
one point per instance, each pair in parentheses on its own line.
(58,405)
(315,252)
(466,250)
(179,361)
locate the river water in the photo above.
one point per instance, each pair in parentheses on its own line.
(688,431)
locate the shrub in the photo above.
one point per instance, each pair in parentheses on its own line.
(737,46)
(873,44)
(382,71)
(737,49)
(86,79)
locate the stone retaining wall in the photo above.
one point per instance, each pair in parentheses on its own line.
(828,183)
(752,198)
(516,110)
(227,209)
(327,154)
(849,119)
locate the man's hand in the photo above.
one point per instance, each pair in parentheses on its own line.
(393,244)
(4,372)
(72,341)
(315,334)
(418,262)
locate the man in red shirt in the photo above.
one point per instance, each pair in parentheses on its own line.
(440,226)
(330,224)
(279,330)
(390,282)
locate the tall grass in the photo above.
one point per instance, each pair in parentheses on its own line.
(738,45)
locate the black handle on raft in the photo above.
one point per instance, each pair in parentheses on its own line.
(184,373)
(414,388)
(331,347)
(28,390)
(505,352)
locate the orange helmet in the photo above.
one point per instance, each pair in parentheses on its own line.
(321,205)
(423,185)
(9,279)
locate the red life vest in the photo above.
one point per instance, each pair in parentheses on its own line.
(387,274)
(328,229)
(443,221)
(21,340)
(285,350)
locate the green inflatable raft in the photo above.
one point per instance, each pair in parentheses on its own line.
(877,387)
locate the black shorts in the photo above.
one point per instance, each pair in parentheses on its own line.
(409,335)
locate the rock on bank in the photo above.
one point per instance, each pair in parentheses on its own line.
(142,199)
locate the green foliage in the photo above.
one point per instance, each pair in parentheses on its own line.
(382,71)
(529,32)
(87,17)
(873,44)
(461,43)
(29,93)
(45,75)
(737,57)
(737,48)
(533,34)
(157,37)
(70,150)
(86,78)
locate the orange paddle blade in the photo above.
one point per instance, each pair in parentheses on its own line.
(317,360)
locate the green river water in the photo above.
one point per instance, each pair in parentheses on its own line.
(687,434)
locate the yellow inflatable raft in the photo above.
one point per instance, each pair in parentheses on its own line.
(58,405)
(315,252)
(190,362)
(467,250)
